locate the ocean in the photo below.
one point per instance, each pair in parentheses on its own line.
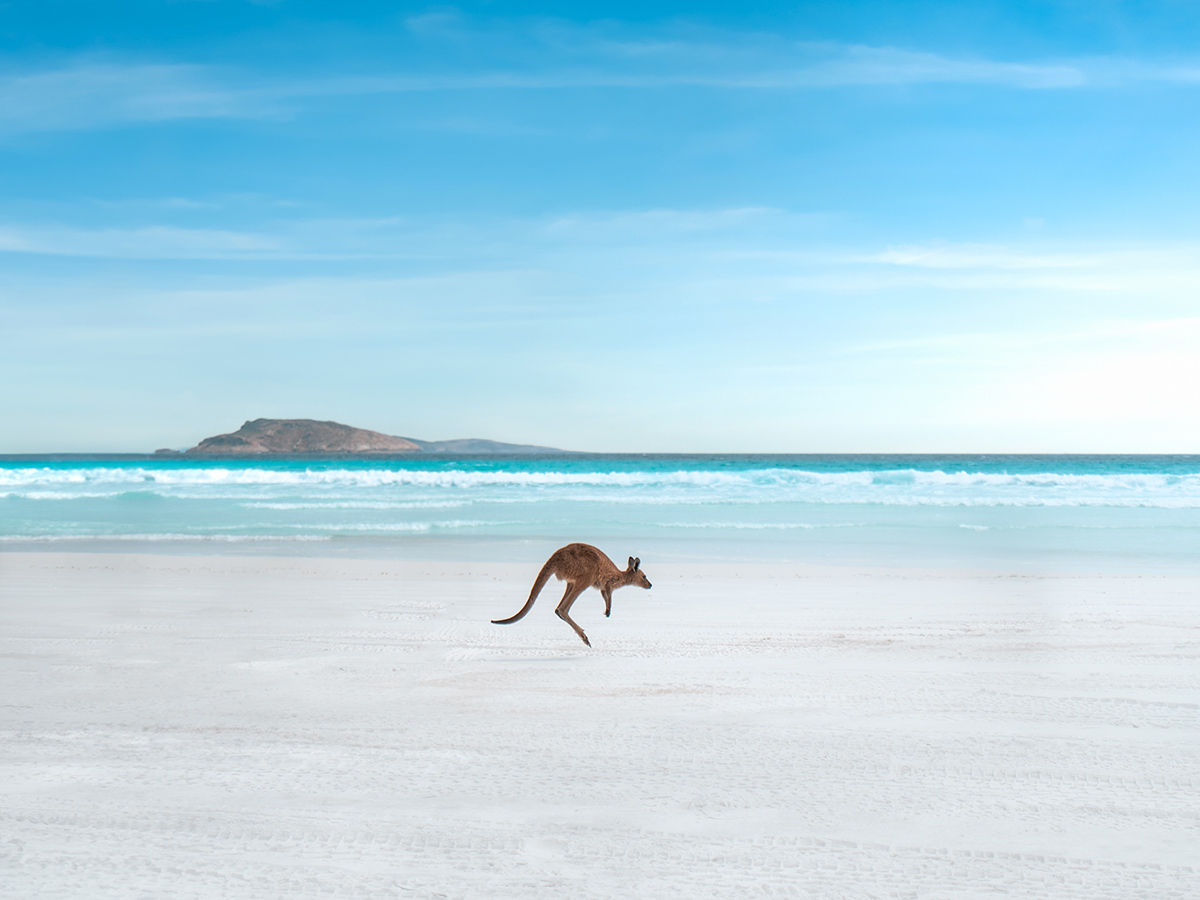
(985,511)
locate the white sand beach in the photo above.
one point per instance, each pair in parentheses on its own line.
(204,726)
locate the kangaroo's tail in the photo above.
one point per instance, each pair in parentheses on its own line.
(543,577)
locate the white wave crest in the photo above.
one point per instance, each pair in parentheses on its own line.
(357,504)
(220,538)
(755,526)
(453,478)
(447,525)
(398,488)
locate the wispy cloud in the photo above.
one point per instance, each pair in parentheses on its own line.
(84,96)
(88,96)
(796,66)
(155,242)
(1176,333)
(465,242)
(1103,266)
(979,256)
(860,65)
(447,53)
(713,256)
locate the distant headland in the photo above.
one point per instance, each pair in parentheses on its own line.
(308,437)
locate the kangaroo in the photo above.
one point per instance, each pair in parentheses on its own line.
(581,566)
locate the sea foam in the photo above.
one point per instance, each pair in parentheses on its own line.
(281,489)
(1095,504)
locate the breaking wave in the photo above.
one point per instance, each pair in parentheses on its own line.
(399,488)
(217,538)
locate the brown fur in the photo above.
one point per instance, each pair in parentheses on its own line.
(581,566)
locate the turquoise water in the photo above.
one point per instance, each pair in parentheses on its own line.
(1026,511)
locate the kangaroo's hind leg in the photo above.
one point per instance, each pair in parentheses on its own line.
(563,610)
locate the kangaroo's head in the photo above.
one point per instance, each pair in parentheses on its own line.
(636,575)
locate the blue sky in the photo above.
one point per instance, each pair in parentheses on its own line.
(812,227)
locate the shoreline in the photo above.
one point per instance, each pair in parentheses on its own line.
(531,550)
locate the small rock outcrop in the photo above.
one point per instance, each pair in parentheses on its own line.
(300,436)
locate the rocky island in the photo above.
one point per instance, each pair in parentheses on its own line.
(309,437)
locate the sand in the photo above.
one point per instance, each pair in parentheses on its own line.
(283,727)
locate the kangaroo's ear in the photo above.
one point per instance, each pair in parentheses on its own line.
(636,562)
(632,563)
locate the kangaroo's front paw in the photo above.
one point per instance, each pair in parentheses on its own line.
(607,613)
